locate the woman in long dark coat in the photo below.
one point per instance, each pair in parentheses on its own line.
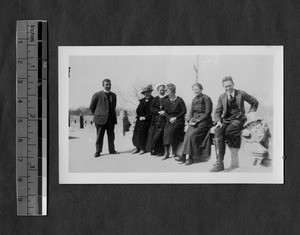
(174,110)
(155,136)
(143,121)
(200,122)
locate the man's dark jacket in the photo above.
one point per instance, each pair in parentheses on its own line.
(100,108)
(240,97)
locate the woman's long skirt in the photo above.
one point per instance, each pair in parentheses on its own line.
(140,134)
(155,135)
(194,137)
(173,133)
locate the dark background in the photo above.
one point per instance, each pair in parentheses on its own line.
(152,209)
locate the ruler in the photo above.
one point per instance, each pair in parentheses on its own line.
(31,117)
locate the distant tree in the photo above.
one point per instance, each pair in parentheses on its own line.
(80,111)
(129,99)
(85,111)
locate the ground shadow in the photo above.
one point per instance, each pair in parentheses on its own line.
(229,169)
(120,152)
(73,137)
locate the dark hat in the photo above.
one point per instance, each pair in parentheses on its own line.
(147,88)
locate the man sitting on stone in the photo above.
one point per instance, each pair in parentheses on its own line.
(230,118)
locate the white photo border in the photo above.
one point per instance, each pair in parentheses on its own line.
(274,177)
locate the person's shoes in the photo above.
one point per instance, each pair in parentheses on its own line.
(189,162)
(135,151)
(97,154)
(165,157)
(180,159)
(114,152)
(142,152)
(219,166)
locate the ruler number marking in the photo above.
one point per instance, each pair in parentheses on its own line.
(31,42)
(20,180)
(20,199)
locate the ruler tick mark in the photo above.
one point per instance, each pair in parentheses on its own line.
(33,44)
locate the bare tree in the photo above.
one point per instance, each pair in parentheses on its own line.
(130,99)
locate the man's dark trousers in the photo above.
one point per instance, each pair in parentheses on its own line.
(109,127)
(229,129)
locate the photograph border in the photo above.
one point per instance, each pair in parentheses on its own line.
(274,177)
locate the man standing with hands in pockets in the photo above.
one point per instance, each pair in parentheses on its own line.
(103,107)
(230,117)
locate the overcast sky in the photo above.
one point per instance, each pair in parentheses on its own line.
(252,73)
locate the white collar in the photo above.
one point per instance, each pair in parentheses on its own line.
(174,98)
(232,94)
(106,91)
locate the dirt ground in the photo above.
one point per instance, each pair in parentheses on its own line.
(82,149)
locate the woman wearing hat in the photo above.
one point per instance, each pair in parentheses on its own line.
(155,136)
(174,110)
(143,121)
(200,122)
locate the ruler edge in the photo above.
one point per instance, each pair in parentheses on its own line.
(44,139)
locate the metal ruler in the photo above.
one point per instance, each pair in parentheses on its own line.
(31,117)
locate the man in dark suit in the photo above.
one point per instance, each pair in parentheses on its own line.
(103,107)
(230,118)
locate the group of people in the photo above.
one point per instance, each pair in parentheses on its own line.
(160,122)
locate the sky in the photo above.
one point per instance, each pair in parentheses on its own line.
(252,73)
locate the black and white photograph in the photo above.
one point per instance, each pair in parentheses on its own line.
(171,114)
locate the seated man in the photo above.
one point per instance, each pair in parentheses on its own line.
(230,118)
